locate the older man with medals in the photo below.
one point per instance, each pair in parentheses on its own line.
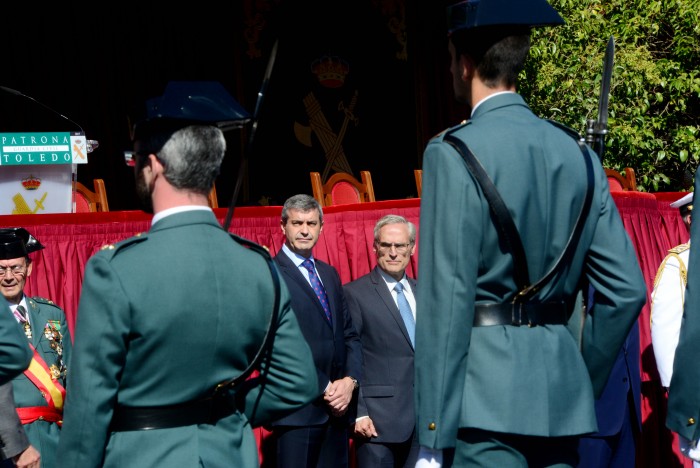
(40,391)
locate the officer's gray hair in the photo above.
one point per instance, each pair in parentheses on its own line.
(192,157)
(395,219)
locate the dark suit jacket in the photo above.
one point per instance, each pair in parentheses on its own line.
(386,394)
(336,350)
(624,378)
(12,437)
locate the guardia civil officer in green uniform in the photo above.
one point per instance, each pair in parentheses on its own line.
(15,355)
(500,378)
(167,316)
(39,392)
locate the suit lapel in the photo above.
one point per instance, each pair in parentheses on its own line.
(292,271)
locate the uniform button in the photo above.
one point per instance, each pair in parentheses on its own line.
(431,426)
(691,421)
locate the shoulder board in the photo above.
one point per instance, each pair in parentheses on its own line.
(261,249)
(679,248)
(569,131)
(463,123)
(43,300)
(112,249)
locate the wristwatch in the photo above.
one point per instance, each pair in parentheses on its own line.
(354,381)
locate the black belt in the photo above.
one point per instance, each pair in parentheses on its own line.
(530,314)
(143,418)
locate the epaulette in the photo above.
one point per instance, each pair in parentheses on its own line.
(568,130)
(43,300)
(112,249)
(680,248)
(463,123)
(261,249)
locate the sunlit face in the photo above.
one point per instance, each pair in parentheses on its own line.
(15,272)
(394,249)
(302,230)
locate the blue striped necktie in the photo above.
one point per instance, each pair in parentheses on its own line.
(318,288)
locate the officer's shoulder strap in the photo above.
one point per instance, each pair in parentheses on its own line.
(568,130)
(110,250)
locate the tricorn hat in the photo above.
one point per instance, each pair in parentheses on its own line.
(187,103)
(684,204)
(472,14)
(17,242)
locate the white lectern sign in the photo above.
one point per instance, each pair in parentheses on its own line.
(37,171)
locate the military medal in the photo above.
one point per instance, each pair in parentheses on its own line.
(52,332)
(27,330)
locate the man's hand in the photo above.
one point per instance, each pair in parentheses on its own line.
(29,458)
(365,428)
(338,395)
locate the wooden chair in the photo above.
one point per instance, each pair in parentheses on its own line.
(342,188)
(418,174)
(213,200)
(619,182)
(87,201)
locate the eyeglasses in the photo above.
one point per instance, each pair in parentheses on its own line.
(15,270)
(386,246)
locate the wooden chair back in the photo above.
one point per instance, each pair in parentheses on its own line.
(342,188)
(418,174)
(619,182)
(88,201)
(213,200)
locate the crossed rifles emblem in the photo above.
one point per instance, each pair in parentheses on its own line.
(331,142)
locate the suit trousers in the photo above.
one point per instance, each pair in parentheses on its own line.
(387,455)
(322,446)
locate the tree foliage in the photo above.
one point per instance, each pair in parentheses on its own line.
(654,109)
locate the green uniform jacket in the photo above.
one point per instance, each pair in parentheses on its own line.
(521,380)
(163,318)
(683,414)
(49,335)
(15,355)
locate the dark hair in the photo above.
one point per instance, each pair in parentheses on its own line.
(303,203)
(499,52)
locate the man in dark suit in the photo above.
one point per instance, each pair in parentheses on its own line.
(618,411)
(170,318)
(15,449)
(500,379)
(316,436)
(385,420)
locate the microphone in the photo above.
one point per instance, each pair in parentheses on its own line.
(91,144)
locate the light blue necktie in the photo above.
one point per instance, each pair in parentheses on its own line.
(405,309)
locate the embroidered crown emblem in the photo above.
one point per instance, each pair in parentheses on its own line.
(31,183)
(330,71)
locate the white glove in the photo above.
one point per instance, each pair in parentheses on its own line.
(689,448)
(429,458)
